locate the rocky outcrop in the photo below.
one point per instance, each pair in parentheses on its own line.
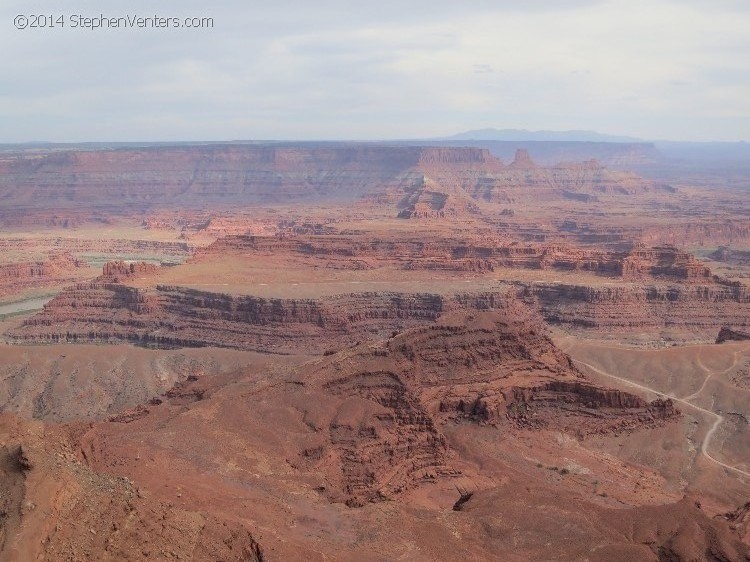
(494,368)
(82,185)
(116,271)
(677,293)
(58,268)
(606,410)
(54,265)
(56,508)
(107,310)
(664,262)
(170,317)
(728,334)
(358,252)
(522,159)
(739,520)
(728,255)
(524,183)
(426,199)
(697,307)
(621,156)
(387,452)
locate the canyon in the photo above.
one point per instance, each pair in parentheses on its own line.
(371,351)
(641,289)
(58,269)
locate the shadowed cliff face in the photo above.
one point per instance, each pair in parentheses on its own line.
(728,334)
(176,317)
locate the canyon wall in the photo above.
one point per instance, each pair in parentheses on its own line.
(167,316)
(377,423)
(359,252)
(699,307)
(418,181)
(107,310)
(218,174)
(96,247)
(56,269)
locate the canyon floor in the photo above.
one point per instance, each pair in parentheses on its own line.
(371,352)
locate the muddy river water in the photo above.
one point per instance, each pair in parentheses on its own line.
(23,306)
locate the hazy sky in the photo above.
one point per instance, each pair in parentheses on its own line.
(328,69)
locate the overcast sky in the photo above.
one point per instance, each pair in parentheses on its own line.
(385,69)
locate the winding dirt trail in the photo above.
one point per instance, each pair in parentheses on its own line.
(709,434)
(710,373)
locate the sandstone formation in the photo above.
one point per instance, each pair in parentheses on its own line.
(56,508)
(373,423)
(728,334)
(350,360)
(189,176)
(620,156)
(168,317)
(58,269)
(739,520)
(703,308)
(419,181)
(218,190)
(727,255)
(119,270)
(486,367)
(665,287)
(339,251)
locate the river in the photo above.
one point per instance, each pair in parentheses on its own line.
(27,305)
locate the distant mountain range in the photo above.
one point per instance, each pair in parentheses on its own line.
(525,135)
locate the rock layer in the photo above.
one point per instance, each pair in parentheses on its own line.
(110,309)
(728,334)
(419,181)
(698,307)
(57,269)
(56,508)
(177,317)
(357,252)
